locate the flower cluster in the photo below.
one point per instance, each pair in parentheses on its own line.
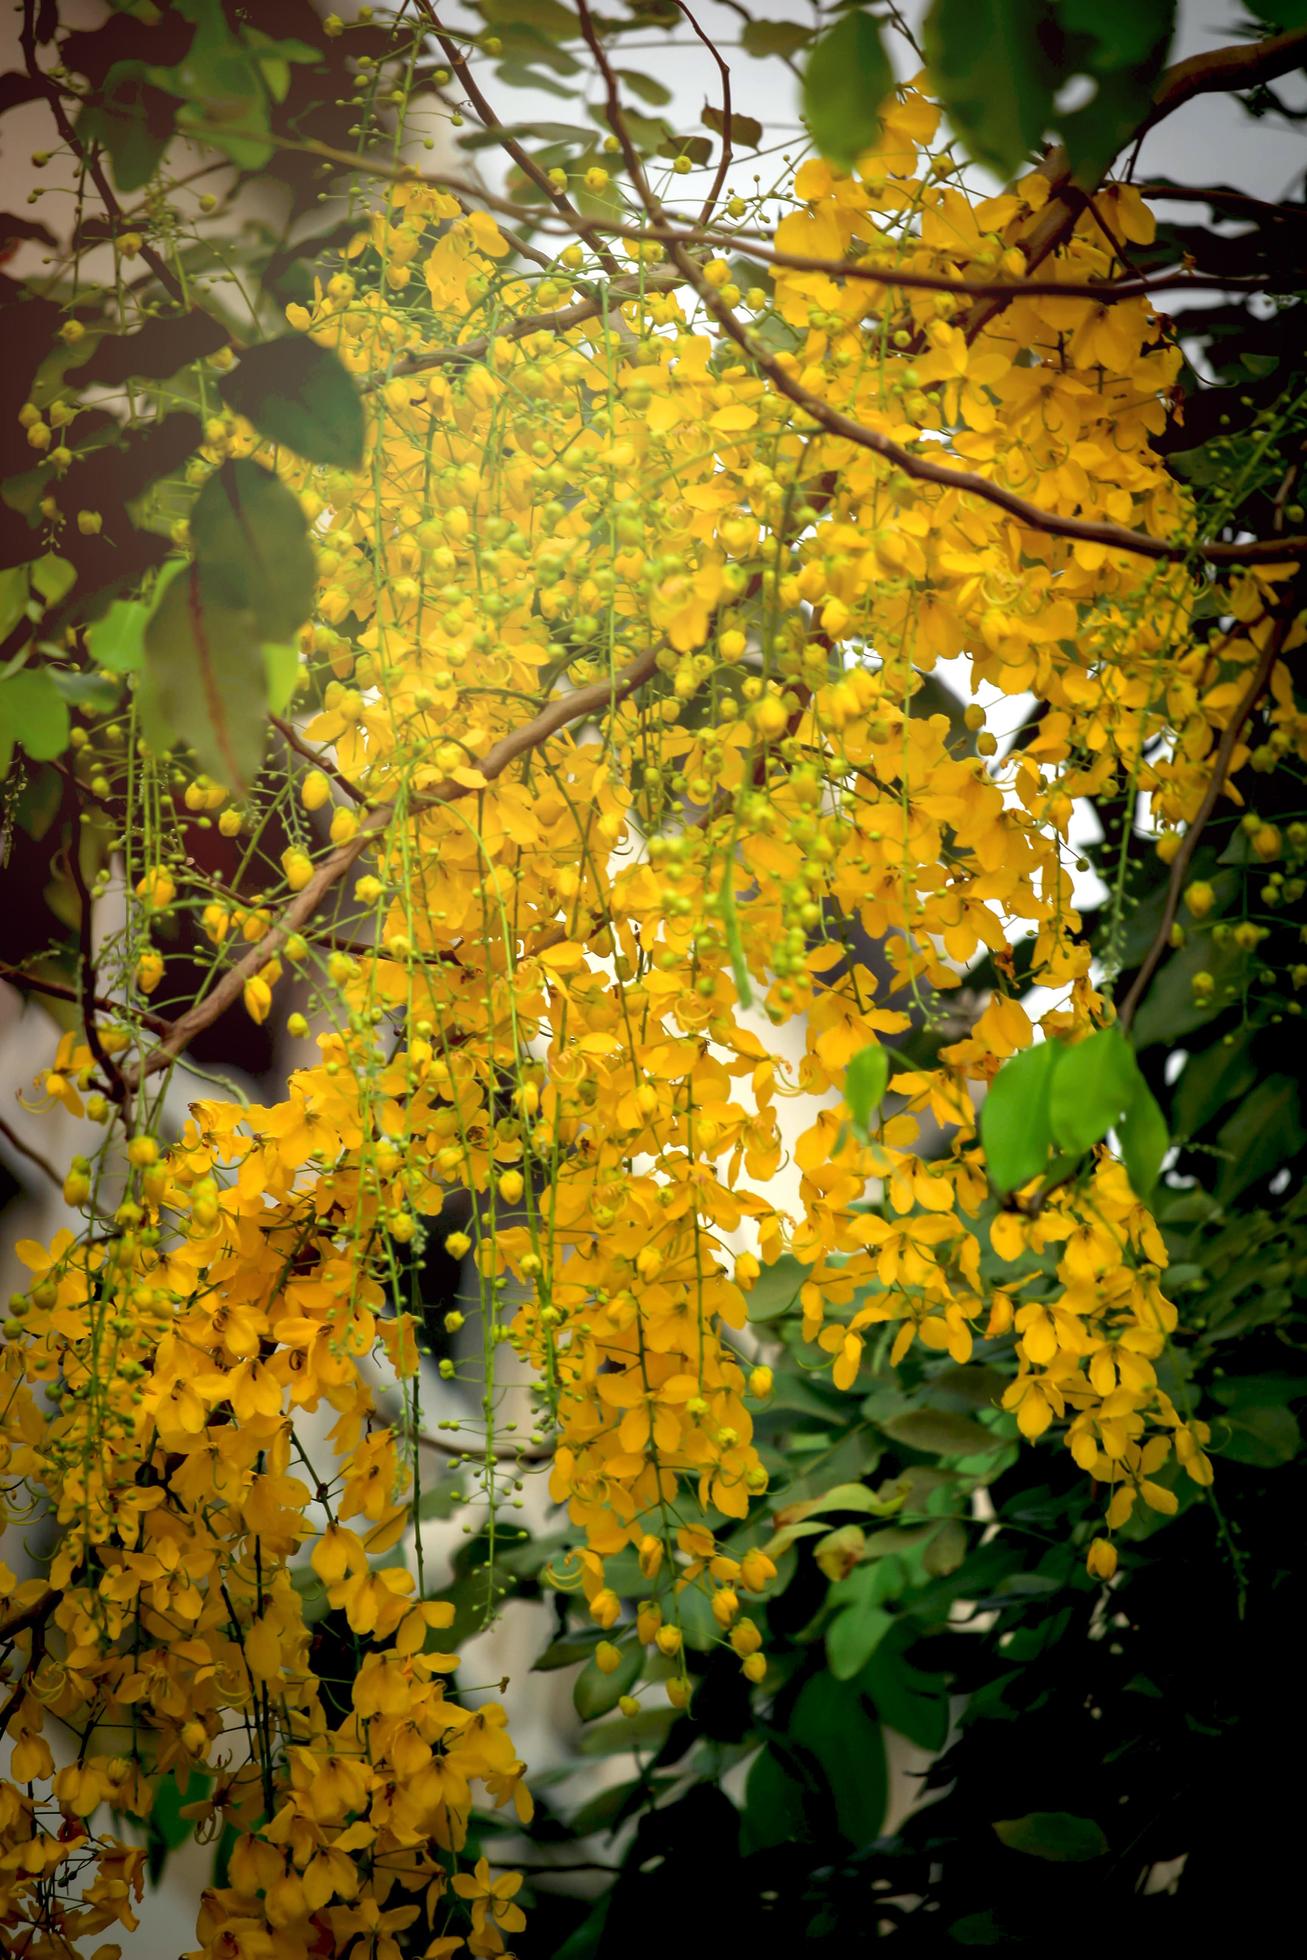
(620,678)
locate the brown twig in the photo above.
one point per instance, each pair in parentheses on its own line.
(291,737)
(576,706)
(1184,856)
(20,978)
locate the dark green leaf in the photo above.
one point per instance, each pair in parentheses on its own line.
(865,1082)
(250,534)
(595,1693)
(133,120)
(1120,45)
(1144,1141)
(1015,1125)
(853,1637)
(1264,1437)
(907,1700)
(775,1805)
(1054,1835)
(776,1289)
(834,1724)
(993,76)
(205,659)
(299,394)
(847,78)
(1091,1084)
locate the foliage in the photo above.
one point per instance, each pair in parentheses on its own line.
(518,643)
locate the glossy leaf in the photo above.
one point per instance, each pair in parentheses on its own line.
(1090,1085)
(1015,1124)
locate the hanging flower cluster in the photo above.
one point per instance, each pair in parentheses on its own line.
(624,750)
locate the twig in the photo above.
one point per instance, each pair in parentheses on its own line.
(18,977)
(292,739)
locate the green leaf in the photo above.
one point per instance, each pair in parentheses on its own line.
(775,1805)
(133,120)
(299,394)
(595,1693)
(853,1637)
(993,76)
(946,1550)
(1265,1438)
(744,129)
(776,1289)
(205,661)
(1144,1141)
(1054,1835)
(117,641)
(865,1082)
(648,90)
(782,37)
(34,714)
(281,663)
(1279,13)
(94,694)
(1091,1085)
(847,77)
(833,1724)
(251,536)
(940,1434)
(1015,1126)
(1120,45)
(907,1700)
(53,578)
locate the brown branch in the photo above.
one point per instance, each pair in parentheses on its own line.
(576,706)
(21,979)
(1211,796)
